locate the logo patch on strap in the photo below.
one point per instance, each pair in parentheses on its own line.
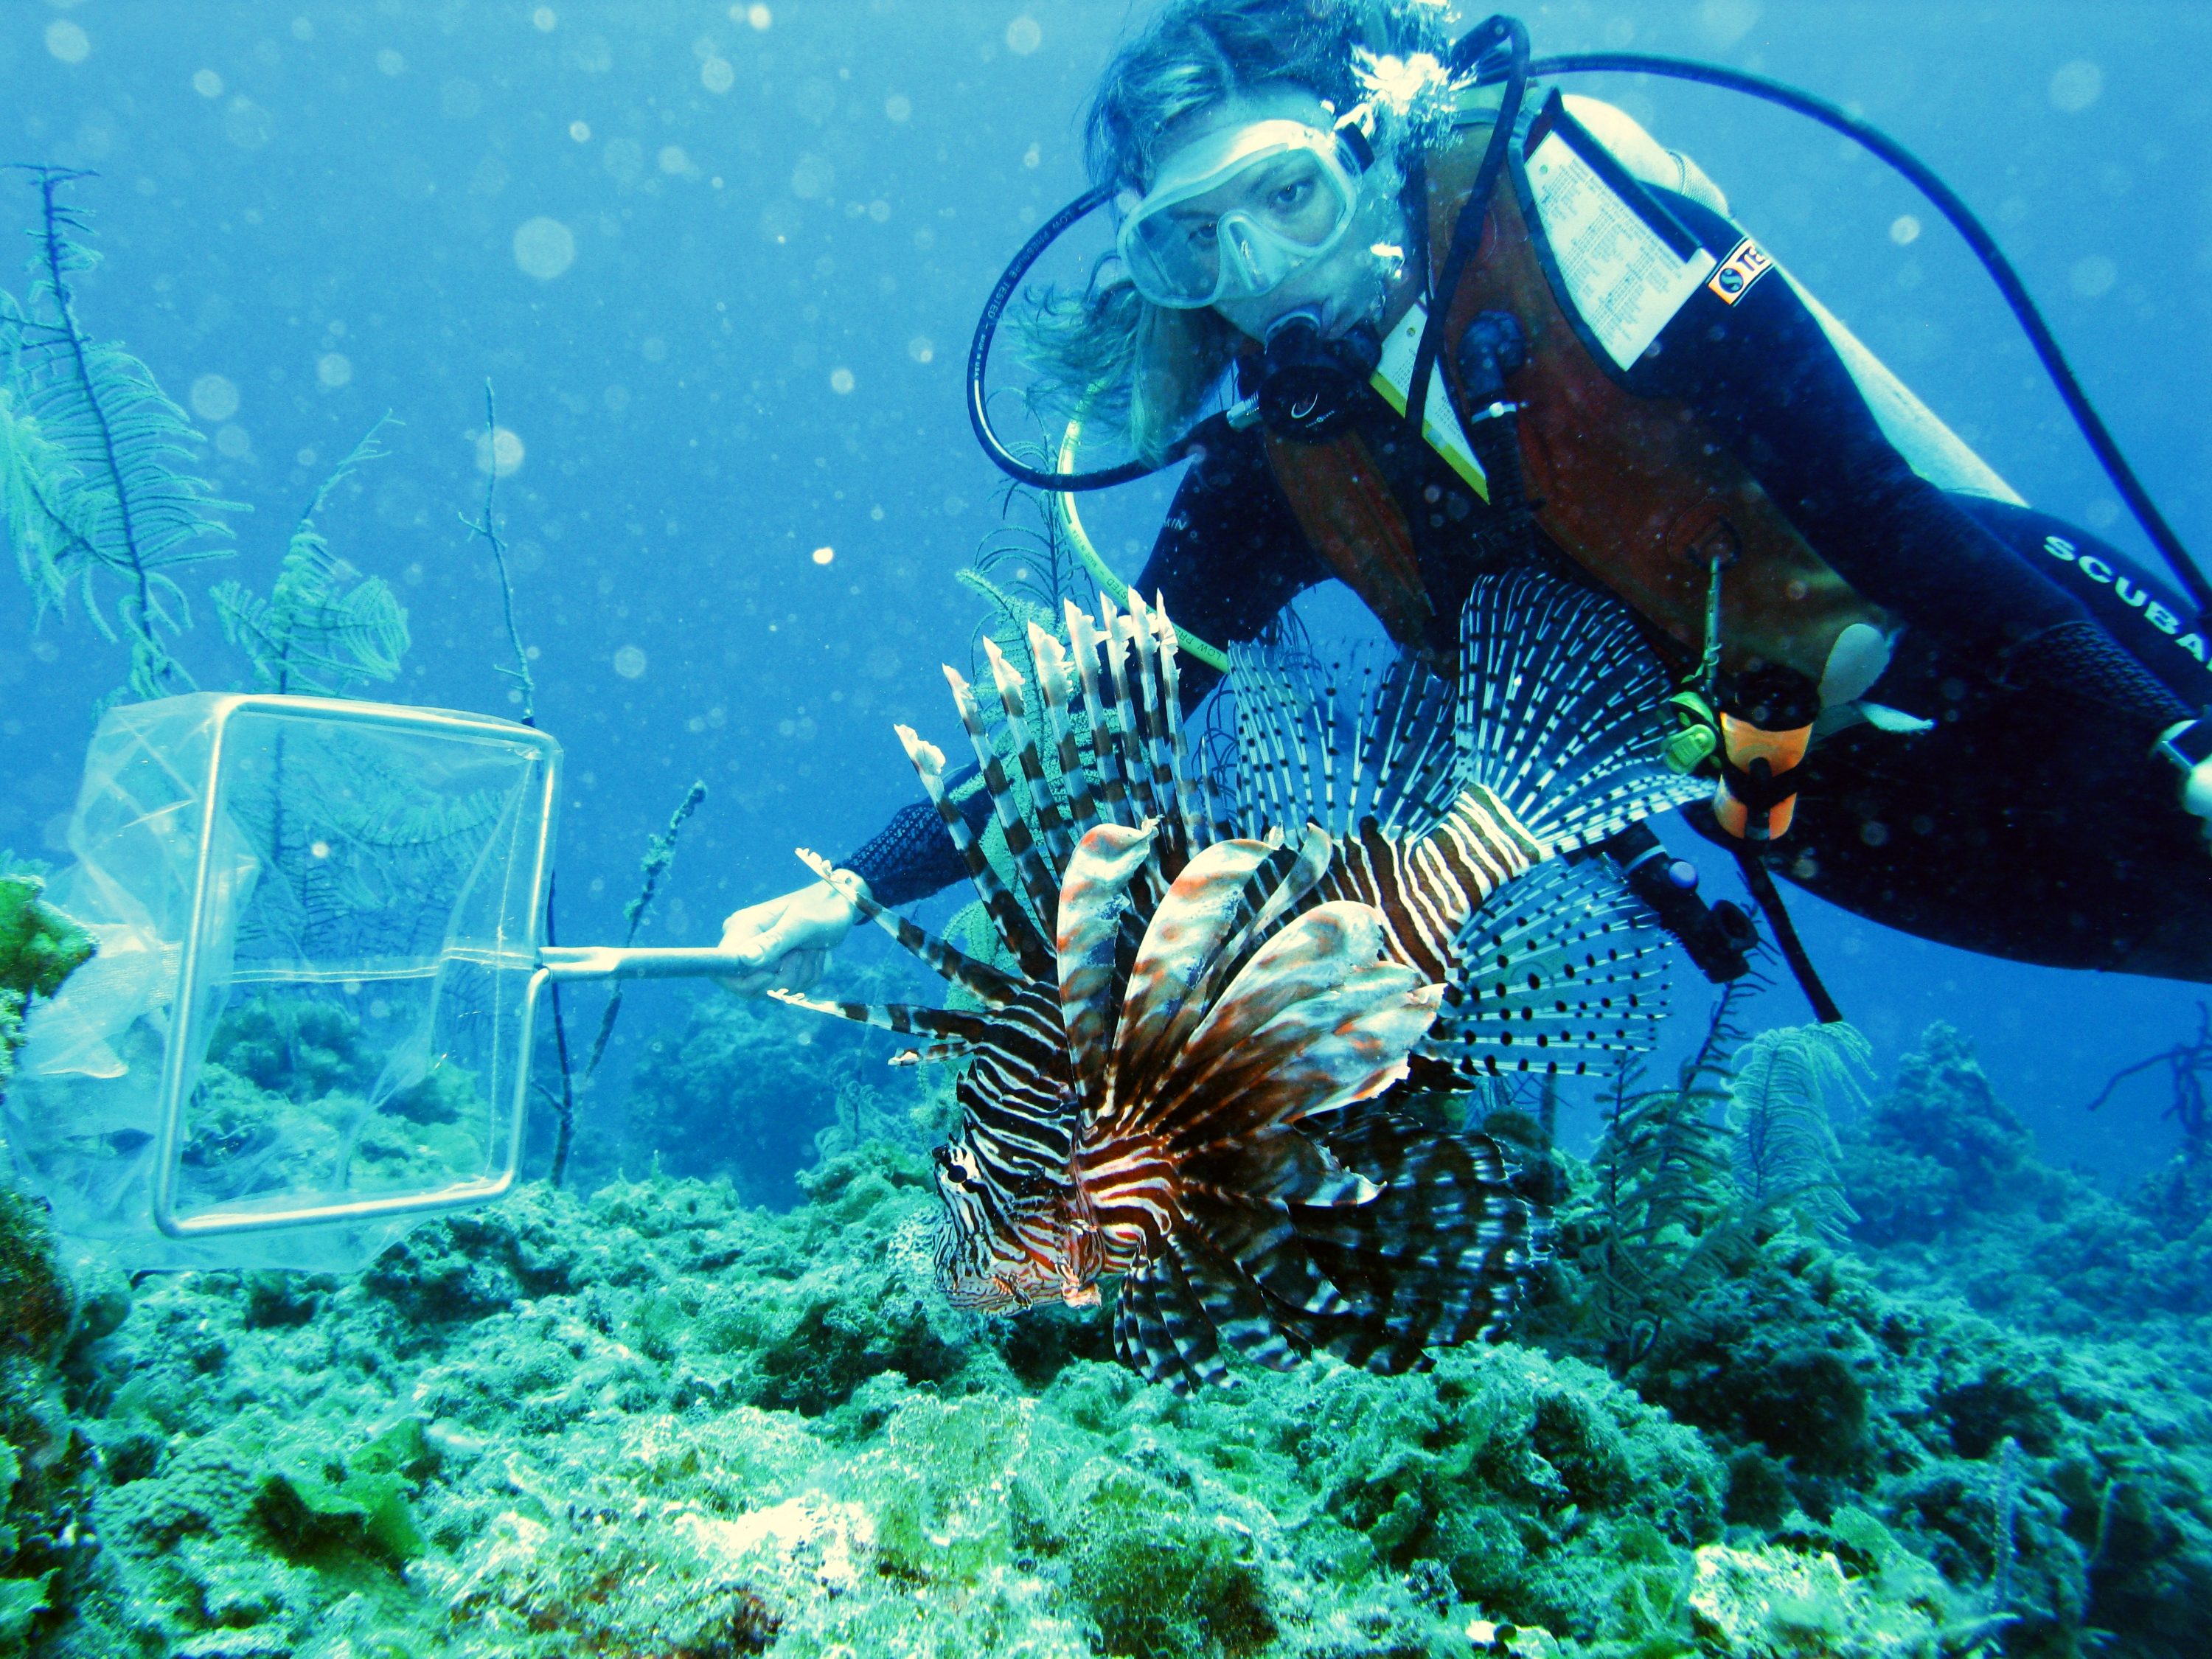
(1744,266)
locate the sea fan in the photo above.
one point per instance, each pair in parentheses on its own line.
(323,626)
(1662,1212)
(1788,1085)
(92,460)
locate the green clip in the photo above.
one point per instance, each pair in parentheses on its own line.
(1699,736)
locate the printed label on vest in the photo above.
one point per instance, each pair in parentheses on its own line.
(1439,425)
(1624,278)
(1747,262)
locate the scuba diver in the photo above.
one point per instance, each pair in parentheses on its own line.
(1922,699)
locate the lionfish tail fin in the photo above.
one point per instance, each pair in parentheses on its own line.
(1560,711)
(1564,968)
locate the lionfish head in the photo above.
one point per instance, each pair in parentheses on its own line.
(1004,1246)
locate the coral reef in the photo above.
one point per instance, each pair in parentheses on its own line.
(741,1090)
(1973,1373)
(42,1465)
(661,1421)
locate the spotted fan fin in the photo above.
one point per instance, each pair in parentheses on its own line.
(1056,692)
(1095,900)
(979,979)
(1560,711)
(904,1019)
(1051,825)
(1563,970)
(1038,880)
(1383,752)
(1263,748)
(1015,930)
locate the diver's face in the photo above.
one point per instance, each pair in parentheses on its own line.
(1347,284)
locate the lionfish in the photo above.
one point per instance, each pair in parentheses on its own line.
(1183,1076)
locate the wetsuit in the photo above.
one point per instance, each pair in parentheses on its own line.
(2031,823)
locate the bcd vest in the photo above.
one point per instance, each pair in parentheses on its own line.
(1636,490)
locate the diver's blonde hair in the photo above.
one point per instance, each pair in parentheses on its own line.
(1139,371)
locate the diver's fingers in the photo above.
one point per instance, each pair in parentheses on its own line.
(794,970)
(757,983)
(800,969)
(754,932)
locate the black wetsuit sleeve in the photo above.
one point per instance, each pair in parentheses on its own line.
(1231,555)
(1229,558)
(1762,372)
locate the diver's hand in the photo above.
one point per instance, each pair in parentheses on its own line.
(789,939)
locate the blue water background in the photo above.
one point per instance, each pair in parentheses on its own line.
(780,237)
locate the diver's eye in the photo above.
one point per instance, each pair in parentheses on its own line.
(1293,195)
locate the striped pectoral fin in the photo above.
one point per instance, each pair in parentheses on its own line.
(1563,710)
(944,1023)
(1200,918)
(1163,1330)
(1316,1018)
(1179,1307)
(1261,1236)
(980,979)
(1563,970)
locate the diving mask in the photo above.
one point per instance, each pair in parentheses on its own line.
(1237,214)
